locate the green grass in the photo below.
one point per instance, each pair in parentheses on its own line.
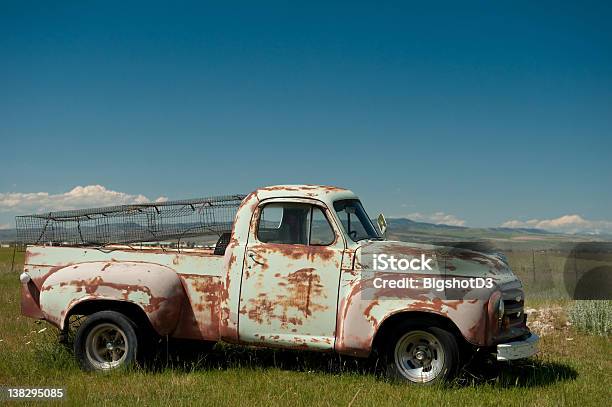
(570,372)
(6,259)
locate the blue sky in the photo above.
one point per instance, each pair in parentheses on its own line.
(476,113)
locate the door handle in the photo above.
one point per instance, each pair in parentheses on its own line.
(252,256)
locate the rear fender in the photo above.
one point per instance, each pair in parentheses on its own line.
(156,289)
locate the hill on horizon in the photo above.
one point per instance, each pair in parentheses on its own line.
(409,230)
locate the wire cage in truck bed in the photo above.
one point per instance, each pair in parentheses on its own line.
(148,222)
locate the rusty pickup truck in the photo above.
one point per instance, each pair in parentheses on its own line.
(291,271)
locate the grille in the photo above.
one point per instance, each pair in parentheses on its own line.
(513,311)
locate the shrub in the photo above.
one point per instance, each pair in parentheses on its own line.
(592,316)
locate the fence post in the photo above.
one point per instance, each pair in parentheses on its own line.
(14,251)
(533,264)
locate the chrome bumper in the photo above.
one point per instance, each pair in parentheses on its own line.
(518,349)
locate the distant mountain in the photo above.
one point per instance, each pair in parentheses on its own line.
(525,230)
(8,235)
(407,224)
(409,230)
(404,222)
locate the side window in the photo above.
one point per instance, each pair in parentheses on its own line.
(284,223)
(321,232)
(294,223)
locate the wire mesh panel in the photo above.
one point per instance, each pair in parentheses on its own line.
(131,223)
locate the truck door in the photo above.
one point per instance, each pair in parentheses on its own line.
(291,274)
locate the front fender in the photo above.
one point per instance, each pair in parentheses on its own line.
(156,289)
(360,320)
(363,306)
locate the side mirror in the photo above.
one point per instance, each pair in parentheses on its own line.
(382,223)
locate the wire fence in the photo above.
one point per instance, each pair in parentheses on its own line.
(149,222)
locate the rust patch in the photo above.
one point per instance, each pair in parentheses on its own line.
(280,188)
(477,332)
(92,285)
(201,317)
(29,255)
(30,301)
(303,282)
(261,308)
(310,190)
(297,252)
(303,288)
(232,260)
(154,304)
(368,310)
(39,280)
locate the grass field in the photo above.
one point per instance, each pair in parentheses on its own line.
(572,369)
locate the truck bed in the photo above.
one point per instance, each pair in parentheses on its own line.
(198,261)
(139,274)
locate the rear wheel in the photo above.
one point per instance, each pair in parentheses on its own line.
(107,340)
(421,354)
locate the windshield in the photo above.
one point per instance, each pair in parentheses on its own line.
(355,220)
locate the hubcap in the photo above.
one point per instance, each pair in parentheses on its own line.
(419,356)
(106,346)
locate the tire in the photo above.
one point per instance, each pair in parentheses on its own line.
(421,354)
(106,341)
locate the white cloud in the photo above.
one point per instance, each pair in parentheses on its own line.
(439,218)
(564,224)
(5,226)
(79,197)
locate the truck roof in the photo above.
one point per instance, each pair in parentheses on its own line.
(324,193)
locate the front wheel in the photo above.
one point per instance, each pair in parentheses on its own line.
(422,354)
(106,341)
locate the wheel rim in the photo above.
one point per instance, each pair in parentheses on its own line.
(106,346)
(419,356)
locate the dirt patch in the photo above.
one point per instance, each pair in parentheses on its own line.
(544,321)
